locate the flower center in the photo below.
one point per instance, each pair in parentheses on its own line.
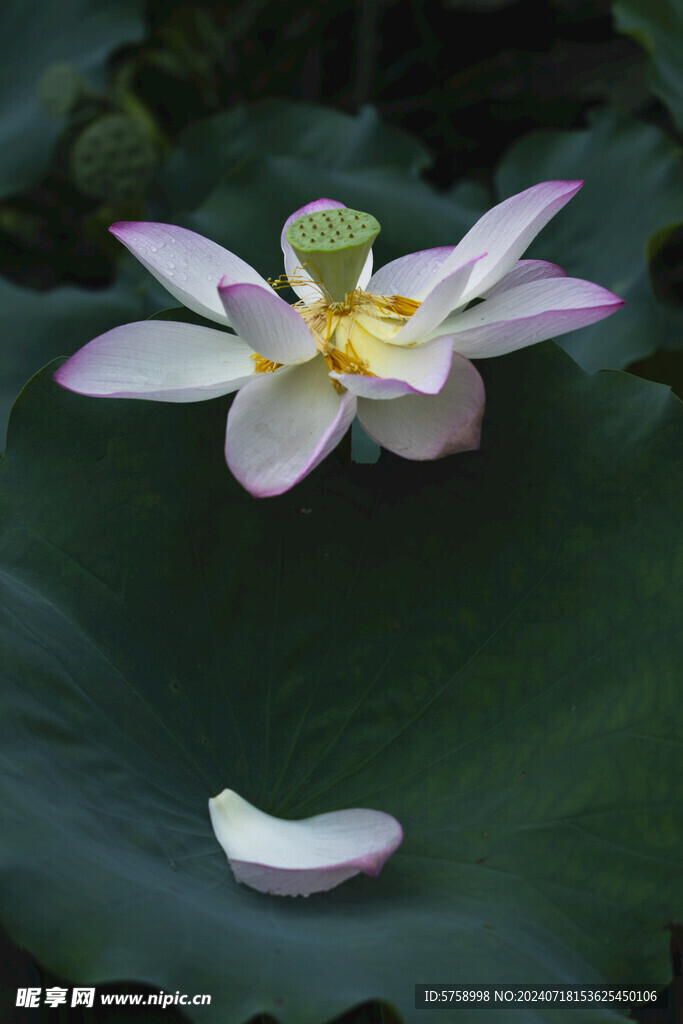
(346,323)
(345,332)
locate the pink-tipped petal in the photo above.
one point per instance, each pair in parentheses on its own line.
(430,426)
(282,424)
(310,293)
(267,323)
(505,232)
(524,272)
(188,265)
(297,858)
(160,361)
(409,274)
(444,297)
(400,371)
(530,313)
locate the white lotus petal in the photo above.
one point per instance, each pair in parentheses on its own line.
(188,265)
(529,313)
(444,297)
(409,274)
(430,426)
(265,322)
(523,272)
(296,858)
(283,424)
(161,361)
(504,233)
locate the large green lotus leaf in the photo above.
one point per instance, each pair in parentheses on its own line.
(215,146)
(37,326)
(238,176)
(33,36)
(632,190)
(487,647)
(658,26)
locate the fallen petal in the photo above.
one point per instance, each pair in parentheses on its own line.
(296,858)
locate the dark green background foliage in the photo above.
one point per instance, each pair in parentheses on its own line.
(486,647)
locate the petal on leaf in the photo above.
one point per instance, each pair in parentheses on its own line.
(532,312)
(430,426)
(283,424)
(159,360)
(267,323)
(309,293)
(188,265)
(297,858)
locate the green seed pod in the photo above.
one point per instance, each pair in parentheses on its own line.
(60,89)
(113,158)
(333,246)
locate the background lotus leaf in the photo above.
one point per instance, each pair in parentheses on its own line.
(632,191)
(658,26)
(275,157)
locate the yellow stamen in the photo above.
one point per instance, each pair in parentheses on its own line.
(398,305)
(299,277)
(264,365)
(347,362)
(278,282)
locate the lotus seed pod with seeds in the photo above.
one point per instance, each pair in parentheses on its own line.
(333,246)
(113,158)
(60,89)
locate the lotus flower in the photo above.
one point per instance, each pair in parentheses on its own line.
(392,348)
(297,858)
